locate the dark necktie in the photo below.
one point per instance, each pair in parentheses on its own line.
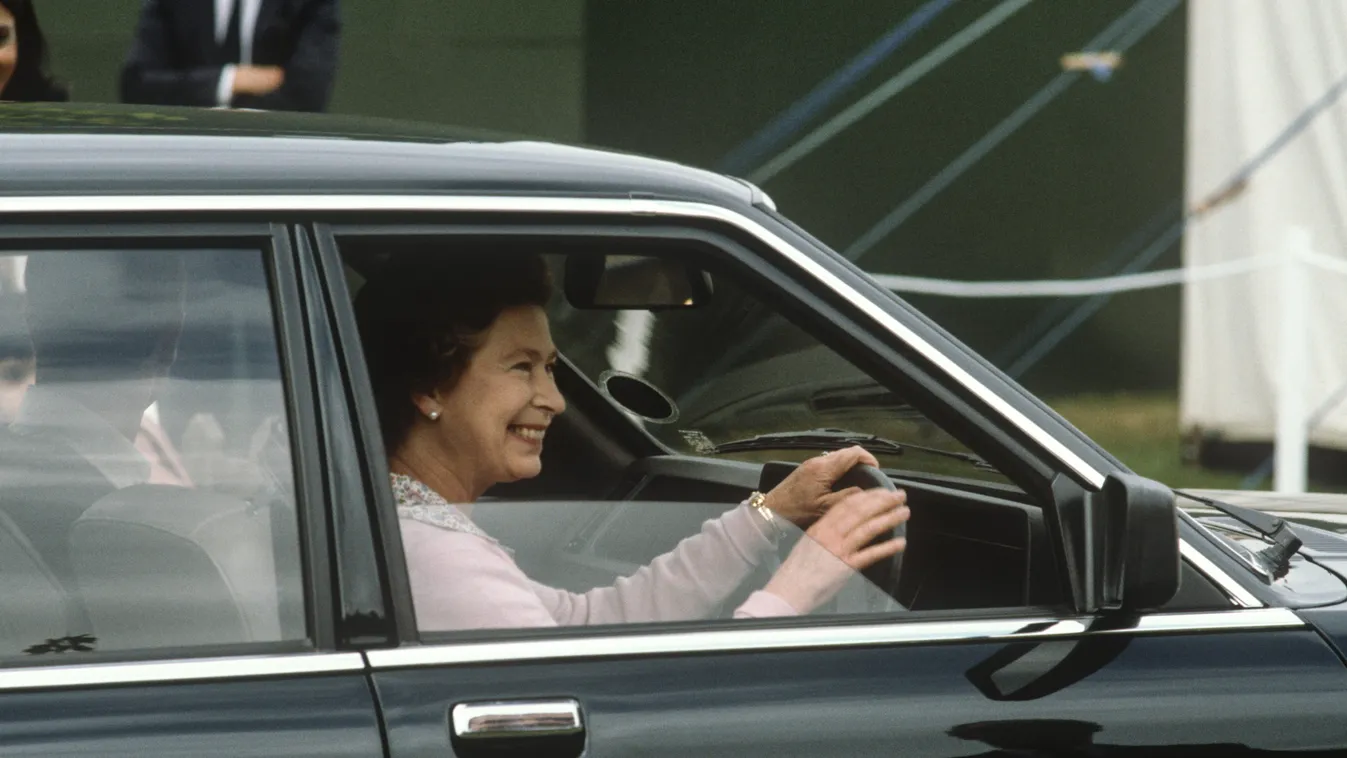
(232,49)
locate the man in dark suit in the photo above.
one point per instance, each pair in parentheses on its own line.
(265,54)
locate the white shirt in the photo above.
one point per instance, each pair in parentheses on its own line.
(248,12)
(47,410)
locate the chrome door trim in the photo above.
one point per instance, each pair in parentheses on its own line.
(183,670)
(817,638)
(523,718)
(1248,619)
(533,204)
(1233,589)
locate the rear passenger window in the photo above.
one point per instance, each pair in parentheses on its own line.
(146,490)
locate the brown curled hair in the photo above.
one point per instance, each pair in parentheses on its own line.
(31,82)
(422,317)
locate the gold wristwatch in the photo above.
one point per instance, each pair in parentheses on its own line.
(758,502)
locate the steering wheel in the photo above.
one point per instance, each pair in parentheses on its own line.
(885,573)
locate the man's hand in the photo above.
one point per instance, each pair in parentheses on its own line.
(258,80)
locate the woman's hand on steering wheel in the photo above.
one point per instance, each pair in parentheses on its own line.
(807,493)
(839,544)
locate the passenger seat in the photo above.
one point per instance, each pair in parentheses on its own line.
(37,607)
(163,566)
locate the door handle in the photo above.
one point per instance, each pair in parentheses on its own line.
(532,718)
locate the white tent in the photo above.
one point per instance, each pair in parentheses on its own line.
(1264,351)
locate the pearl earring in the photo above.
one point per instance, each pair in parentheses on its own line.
(434,415)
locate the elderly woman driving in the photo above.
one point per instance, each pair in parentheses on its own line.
(461,359)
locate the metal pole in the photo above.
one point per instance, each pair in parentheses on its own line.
(1290,449)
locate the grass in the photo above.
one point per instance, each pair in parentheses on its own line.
(1142,430)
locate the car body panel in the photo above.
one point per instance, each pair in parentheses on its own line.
(1326,510)
(1319,520)
(324,716)
(1190,693)
(1331,622)
(199,151)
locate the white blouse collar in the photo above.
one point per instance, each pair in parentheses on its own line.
(418,502)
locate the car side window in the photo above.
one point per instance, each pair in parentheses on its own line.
(506,381)
(146,486)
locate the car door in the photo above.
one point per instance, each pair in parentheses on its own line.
(164,572)
(1227,676)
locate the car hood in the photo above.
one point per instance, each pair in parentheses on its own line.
(1319,519)
(1321,510)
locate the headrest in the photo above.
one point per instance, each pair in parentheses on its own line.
(163,566)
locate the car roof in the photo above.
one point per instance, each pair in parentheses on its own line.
(72,149)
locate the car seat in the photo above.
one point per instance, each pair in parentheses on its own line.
(36,607)
(162,566)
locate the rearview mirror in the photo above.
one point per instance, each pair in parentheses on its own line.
(629,282)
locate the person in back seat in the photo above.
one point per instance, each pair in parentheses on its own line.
(104,327)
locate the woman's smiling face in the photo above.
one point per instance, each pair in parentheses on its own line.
(9,46)
(493,421)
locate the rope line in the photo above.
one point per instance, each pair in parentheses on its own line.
(887,91)
(1117,262)
(983,25)
(1119,26)
(1241,176)
(1121,30)
(1082,313)
(802,111)
(1259,475)
(1110,285)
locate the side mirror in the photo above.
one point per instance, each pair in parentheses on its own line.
(1033,670)
(1149,564)
(631,282)
(1121,543)
(1141,547)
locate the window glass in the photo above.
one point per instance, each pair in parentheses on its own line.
(463,340)
(735,368)
(146,493)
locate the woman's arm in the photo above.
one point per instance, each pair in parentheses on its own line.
(686,583)
(461,581)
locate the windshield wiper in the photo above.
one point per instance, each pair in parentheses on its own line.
(1275,559)
(837,439)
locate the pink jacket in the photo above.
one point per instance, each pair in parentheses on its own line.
(464,580)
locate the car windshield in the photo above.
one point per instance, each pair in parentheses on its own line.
(735,369)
